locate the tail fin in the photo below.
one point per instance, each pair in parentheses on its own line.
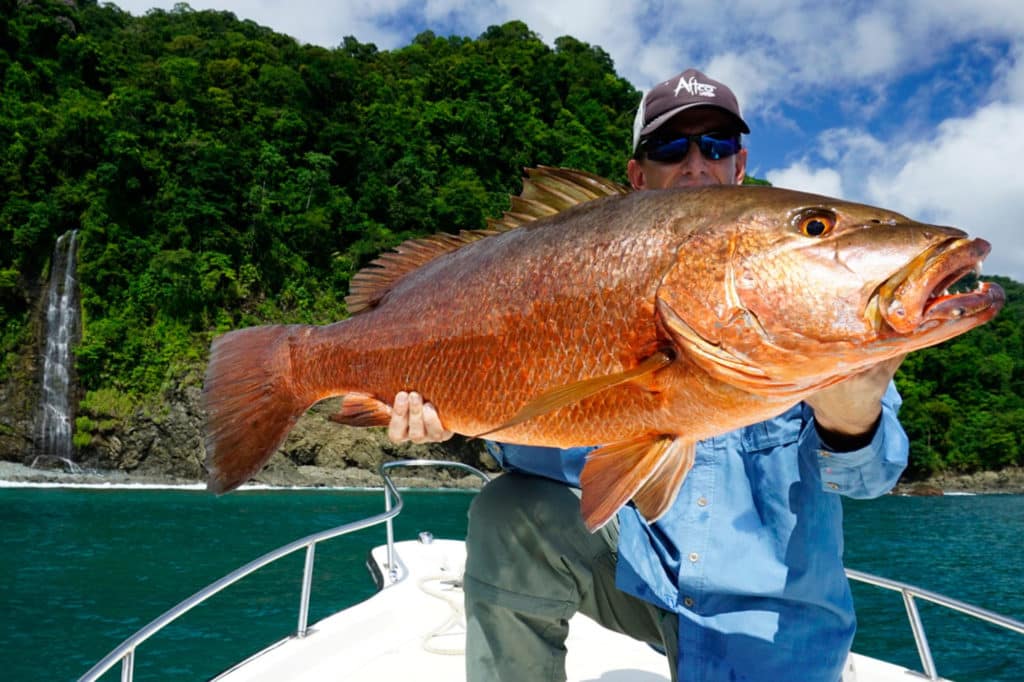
(251,402)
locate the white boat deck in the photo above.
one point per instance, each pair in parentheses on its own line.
(414,629)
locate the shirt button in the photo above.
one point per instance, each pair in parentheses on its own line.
(832,485)
(694,557)
(688,602)
(702,501)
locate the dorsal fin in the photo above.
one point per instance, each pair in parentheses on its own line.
(368,286)
(546,192)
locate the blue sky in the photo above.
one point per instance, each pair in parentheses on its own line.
(914,105)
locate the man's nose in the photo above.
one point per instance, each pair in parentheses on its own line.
(693,162)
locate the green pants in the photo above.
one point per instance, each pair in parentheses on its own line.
(531,564)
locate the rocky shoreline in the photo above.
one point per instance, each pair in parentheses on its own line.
(282,473)
(1006,481)
(15,475)
(164,448)
(279,473)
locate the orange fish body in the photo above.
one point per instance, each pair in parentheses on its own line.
(644,321)
(489,328)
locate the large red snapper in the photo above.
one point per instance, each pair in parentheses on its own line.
(642,321)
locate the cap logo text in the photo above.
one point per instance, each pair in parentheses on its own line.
(694,87)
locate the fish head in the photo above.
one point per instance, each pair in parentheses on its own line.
(782,292)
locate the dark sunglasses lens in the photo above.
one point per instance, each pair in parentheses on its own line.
(670,151)
(715,148)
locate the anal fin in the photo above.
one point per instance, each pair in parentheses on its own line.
(361,409)
(658,493)
(648,469)
(614,473)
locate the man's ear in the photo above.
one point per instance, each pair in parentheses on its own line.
(635,171)
(741,166)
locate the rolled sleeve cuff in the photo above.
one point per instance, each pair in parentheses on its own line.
(869,471)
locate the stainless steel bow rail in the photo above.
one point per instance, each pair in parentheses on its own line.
(910,592)
(125,652)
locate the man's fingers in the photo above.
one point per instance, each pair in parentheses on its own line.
(398,428)
(412,420)
(416,432)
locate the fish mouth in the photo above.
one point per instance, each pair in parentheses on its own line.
(918,294)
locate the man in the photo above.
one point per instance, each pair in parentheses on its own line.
(742,579)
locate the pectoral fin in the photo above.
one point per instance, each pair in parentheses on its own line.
(360,409)
(575,392)
(648,470)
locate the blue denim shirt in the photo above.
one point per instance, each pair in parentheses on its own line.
(750,553)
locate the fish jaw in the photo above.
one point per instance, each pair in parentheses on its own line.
(918,298)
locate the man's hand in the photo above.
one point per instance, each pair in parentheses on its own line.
(416,421)
(846,413)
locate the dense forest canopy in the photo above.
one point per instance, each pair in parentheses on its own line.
(223,175)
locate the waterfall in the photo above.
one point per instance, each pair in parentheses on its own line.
(54,420)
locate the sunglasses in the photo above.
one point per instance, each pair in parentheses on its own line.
(712,146)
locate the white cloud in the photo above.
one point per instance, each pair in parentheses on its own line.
(755,94)
(876,45)
(1011,82)
(801,176)
(968,176)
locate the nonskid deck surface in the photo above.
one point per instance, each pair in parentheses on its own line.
(414,629)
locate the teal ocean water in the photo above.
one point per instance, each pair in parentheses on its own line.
(84,568)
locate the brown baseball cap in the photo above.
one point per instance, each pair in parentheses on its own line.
(689,89)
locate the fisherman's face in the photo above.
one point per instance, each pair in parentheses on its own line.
(693,170)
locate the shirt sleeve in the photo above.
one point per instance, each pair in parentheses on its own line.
(869,471)
(559,465)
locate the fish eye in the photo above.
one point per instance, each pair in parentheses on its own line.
(816,223)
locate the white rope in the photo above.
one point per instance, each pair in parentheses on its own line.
(449,590)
